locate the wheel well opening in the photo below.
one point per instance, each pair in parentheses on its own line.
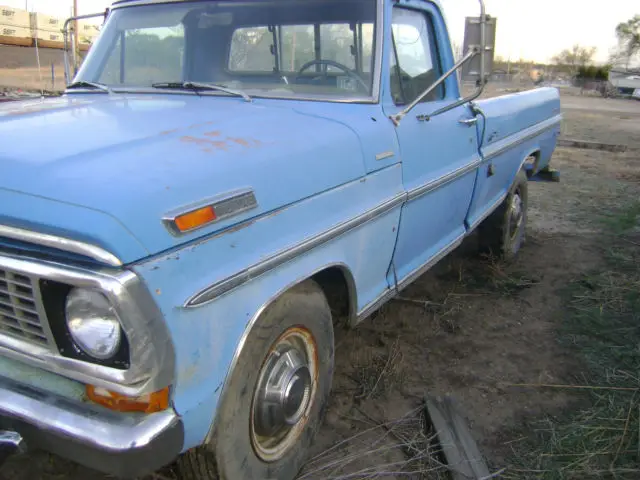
(337,285)
(531,163)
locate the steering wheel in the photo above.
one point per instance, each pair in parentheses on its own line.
(331,63)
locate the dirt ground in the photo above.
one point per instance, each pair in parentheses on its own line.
(471,328)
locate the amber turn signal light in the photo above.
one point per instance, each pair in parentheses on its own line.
(149,403)
(195,219)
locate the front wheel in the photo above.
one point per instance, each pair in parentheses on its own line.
(503,232)
(276,395)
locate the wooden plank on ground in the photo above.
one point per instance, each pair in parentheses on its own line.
(463,457)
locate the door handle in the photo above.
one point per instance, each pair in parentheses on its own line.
(469,122)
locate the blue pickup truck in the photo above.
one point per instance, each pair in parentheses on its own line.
(221,182)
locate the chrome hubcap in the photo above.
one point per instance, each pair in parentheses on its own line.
(517,214)
(283,394)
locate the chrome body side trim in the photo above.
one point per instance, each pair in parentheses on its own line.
(89,434)
(409,279)
(150,347)
(442,181)
(374,305)
(390,293)
(61,243)
(520,137)
(224,286)
(488,212)
(225,206)
(210,293)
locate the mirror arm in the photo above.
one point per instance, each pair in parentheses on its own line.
(65,34)
(397,118)
(483,44)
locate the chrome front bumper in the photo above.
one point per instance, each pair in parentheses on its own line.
(124,445)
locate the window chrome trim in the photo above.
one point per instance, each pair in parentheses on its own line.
(61,243)
(221,287)
(379,52)
(151,350)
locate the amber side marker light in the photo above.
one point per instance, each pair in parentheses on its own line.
(195,219)
(149,403)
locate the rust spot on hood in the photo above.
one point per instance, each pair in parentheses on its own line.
(210,145)
(169,132)
(239,141)
(205,142)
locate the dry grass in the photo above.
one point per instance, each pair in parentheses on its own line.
(600,438)
(379,373)
(399,448)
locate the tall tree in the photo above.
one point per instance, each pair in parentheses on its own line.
(629,39)
(575,57)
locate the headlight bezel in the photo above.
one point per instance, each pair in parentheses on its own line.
(151,358)
(54,297)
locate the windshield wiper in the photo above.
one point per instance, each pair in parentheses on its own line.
(197,86)
(93,85)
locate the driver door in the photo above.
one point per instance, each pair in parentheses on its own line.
(439,155)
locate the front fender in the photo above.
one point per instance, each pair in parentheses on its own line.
(208,336)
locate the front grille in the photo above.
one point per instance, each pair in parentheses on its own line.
(19,312)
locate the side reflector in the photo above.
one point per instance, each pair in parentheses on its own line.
(149,403)
(195,219)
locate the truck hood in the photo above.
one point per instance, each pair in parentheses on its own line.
(107,168)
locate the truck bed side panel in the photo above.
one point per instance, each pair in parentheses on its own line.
(516,127)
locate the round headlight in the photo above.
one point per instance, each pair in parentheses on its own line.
(93,323)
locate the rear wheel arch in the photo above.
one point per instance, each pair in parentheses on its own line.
(533,158)
(502,233)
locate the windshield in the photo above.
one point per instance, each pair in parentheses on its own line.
(317,49)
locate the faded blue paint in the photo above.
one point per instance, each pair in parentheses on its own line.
(106,168)
(135,158)
(210,333)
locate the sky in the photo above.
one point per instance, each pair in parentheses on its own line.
(532,30)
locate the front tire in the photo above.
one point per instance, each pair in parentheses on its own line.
(503,233)
(276,396)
